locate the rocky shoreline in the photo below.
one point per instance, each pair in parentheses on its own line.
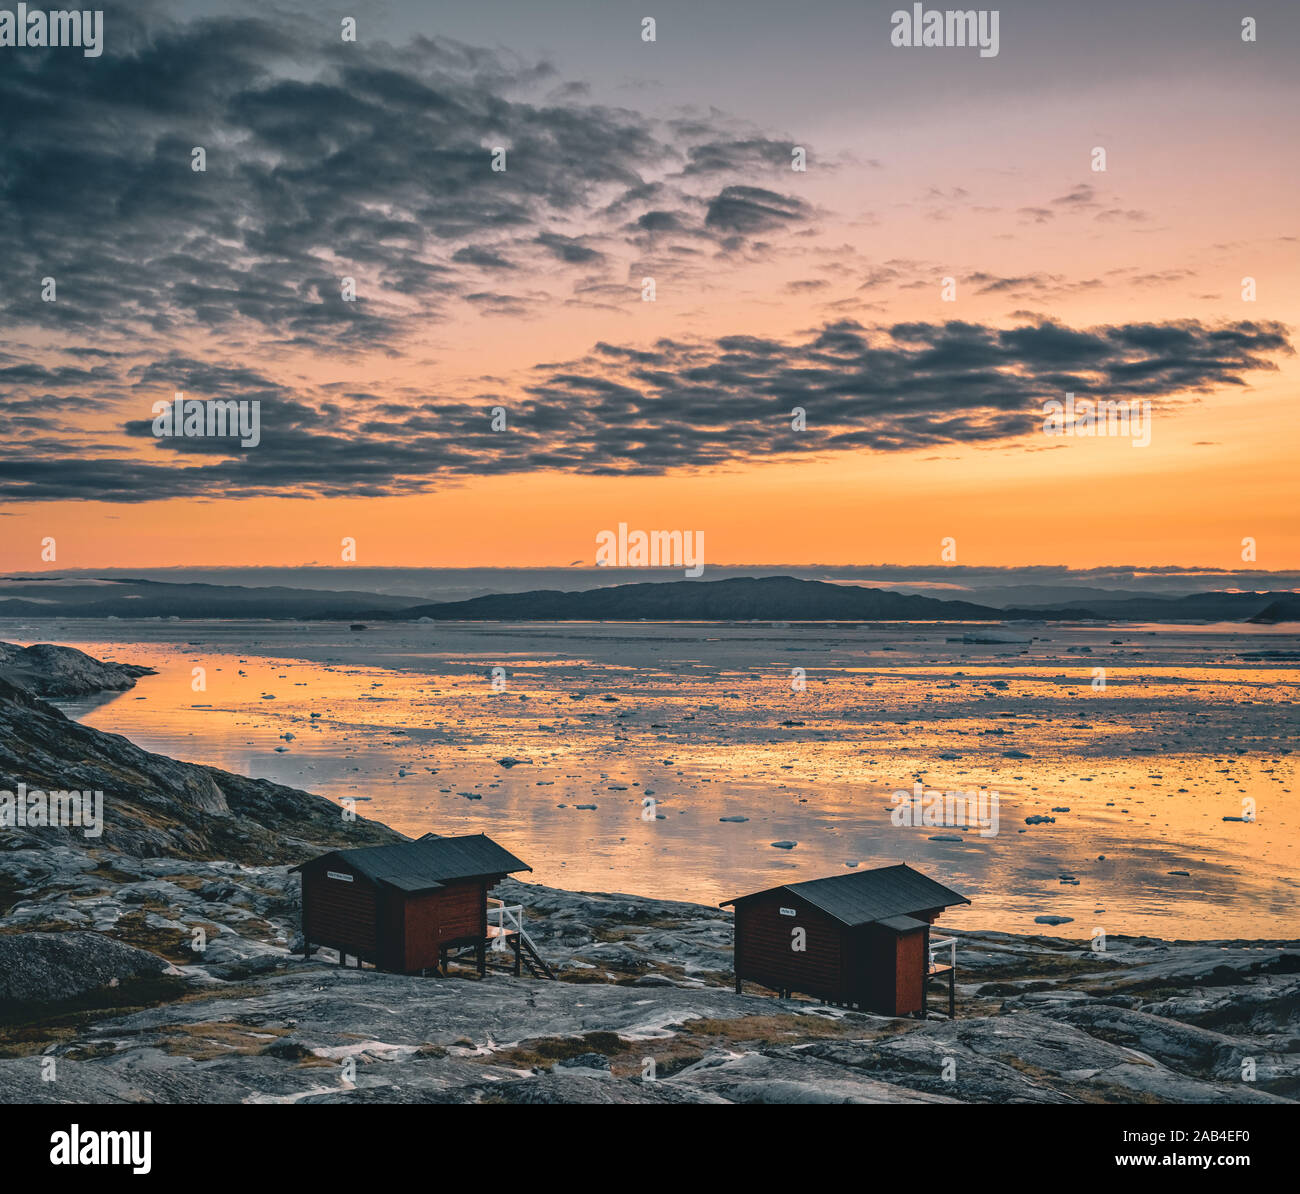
(155,963)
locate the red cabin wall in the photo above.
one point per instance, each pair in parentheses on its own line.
(456,913)
(389,928)
(874,967)
(339,914)
(912,964)
(889,969)
(763,954)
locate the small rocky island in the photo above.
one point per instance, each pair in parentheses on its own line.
(156,962)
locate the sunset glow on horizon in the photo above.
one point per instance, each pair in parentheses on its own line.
(950,259)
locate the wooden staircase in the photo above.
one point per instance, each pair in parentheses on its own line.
(529,956)
(505,931)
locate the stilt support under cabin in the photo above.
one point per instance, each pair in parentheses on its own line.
(936,972)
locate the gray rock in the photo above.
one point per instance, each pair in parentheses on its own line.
(46,670)
(1040,1019)
(585,1061)
(54,966)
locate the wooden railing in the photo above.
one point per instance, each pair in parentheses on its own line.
(508,918)
(506,921)
(951,943)
(951,974)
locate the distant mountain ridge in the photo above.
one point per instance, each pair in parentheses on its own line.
(768,598)
(130,598)
(1285,609)
(786,598)
(781,598)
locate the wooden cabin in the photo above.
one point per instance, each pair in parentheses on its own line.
(413,906)
(860,939)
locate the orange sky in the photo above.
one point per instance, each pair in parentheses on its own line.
(1198,193)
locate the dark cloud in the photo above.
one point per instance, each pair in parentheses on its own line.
(569,249)
(1083,198)
(742,156)
(680,403)
(482,258)
(1029,285)
(1083,195)
(1131,215)
(661,221)
(751,210)
(330,160)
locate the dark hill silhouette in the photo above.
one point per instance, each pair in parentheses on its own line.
(1194,607)
(1285,609)
(788,599)
(769,598)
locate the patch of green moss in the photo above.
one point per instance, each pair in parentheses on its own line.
(28,1025)
(111,874)
(583,977)
(172,944)
(91,1052)
(8,893)
(215,1039)
(542,1052)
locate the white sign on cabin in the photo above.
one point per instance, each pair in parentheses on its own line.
(338,875)
(788,912)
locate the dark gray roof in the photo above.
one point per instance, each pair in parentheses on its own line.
(901,924)
(862,897)
(428,862)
